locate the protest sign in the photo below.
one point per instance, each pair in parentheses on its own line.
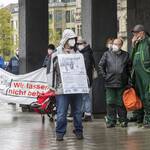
(22,89)
(73,73)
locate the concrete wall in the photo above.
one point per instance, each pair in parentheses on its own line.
(99,21)
(33,33)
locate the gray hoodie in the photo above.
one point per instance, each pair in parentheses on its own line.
(54,77)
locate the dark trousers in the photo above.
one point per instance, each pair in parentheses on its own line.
(114,110)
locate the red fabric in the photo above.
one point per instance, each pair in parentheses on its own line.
(131,100)
(44,99)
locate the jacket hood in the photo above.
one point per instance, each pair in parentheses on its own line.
(67,34)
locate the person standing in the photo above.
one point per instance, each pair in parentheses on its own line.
(2,62)
(67,46)
(47,60)
(14,63)
(115,69)
(87,52)
(140,56)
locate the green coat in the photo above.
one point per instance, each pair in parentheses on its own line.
(140,57)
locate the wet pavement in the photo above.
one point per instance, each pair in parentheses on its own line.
(25,131)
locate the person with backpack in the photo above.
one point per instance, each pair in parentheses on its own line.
(140,56)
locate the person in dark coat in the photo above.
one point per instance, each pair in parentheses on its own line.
(87,52)
(2,62)
(115,69)
(47,60)
(14,63)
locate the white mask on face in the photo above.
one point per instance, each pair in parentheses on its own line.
(115,48)
(80,47)
(109,46)
(17,52)
(71,42)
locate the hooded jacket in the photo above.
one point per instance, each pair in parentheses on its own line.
(55,77)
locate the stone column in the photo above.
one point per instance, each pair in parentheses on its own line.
(99,18)
(33,33)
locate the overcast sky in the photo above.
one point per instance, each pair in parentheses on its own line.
(6,2)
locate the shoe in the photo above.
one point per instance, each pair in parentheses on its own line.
(109,125)
(79,135)
(87,118)
(147,125)
(133,119)
(70,118)
(123,124)
(59,137)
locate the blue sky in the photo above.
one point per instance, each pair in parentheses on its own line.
(6,2)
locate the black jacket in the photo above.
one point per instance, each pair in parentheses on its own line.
(115,68)
(47,63)
(13,65)
(89,62)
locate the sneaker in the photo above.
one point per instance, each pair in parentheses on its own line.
(87,118)
(123,124)
(79,135)
(59,137)
(70,118)
(108,125)
(133,119)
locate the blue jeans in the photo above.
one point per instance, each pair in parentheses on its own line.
(62,103)
(87,103)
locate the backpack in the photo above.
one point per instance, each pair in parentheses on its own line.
(131,100)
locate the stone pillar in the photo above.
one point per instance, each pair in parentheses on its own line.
(33,33)
(138,12)
(99,18)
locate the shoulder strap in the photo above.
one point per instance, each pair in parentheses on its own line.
(54,72)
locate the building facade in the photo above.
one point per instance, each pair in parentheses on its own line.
(65,14)
(13,8)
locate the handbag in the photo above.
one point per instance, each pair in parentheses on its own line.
(131,100)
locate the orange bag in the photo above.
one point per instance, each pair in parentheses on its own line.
(131,100)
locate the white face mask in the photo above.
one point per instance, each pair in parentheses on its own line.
(71,42)
(17,52)
(80,47)
(109,46)
(115,48)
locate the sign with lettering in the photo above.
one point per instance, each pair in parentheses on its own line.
(22,89)
(73,73)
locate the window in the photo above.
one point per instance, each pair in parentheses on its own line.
(67,16)
(70,17)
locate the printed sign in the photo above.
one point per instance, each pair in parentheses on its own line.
(73,73)
(22,89)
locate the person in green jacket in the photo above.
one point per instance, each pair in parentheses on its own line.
(140,56)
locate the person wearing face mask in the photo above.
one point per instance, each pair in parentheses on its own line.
(109,43)
(63,101)
(140,56)
(114,66)
(14,63)
(47,60)
(87,52)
